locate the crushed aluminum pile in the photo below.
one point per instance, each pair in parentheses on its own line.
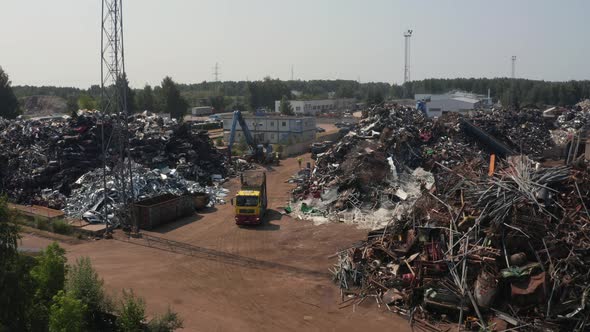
(87,198)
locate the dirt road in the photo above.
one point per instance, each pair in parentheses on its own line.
(269,278)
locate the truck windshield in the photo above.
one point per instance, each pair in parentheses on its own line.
(247,200)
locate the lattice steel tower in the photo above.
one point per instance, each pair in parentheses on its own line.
(114,120)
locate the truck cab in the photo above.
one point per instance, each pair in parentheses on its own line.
(251,200)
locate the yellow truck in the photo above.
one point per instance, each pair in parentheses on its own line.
(251,201)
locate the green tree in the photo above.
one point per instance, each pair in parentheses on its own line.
(265,93)
(145,99)
(72,105)
(374,96)
(66,314)
(17,289)
(285,107)
(86,102)
(122,86)
(16,286)
(171,100)
(167,322)
(50,272)
(217,102)
(8,234)
(83,283)
(8,102)
(131,312)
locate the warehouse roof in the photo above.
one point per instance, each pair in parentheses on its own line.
(467,100)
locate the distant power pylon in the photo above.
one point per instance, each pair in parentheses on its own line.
(514,66)
(216,72)
(292,75)
(407,36)
(114,124)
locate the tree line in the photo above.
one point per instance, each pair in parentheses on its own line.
(45,293)
(174,98)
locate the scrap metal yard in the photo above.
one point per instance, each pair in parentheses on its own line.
(294,166)
(222,277)
(471,224)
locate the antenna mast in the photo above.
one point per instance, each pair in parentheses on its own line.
(114,118)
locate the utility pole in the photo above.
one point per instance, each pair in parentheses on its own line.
(292,72)
(513,66)
(407,36)
(114,114)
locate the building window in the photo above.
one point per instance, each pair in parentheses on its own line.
(272,136)
(284,123)
(272,123)
(297,108)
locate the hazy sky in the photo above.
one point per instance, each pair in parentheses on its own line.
(57,42)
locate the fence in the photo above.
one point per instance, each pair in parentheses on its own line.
(161,243)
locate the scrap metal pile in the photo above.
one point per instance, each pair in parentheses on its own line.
(499,252)
(524,130)
(381,167)
(87,198)
(41,160)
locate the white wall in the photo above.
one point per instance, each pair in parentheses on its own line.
(274,129)
(447,105)
(313,107)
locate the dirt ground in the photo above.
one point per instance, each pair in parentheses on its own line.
(287,287)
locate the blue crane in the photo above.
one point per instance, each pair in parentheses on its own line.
(257,149)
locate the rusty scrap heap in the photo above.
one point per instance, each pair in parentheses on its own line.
(499,252)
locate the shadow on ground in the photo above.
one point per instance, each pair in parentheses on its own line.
(266,225)
(177,224)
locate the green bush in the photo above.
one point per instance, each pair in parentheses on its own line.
(84,284)
(61,227)
(42,224)
(131,312)
(66,313)
(168,322)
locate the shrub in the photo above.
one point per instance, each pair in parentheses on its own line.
(66,313)
(42,224)
(167,322)
(131,312)
(62,227)
(83,283)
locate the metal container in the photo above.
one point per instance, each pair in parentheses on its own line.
(201,200)
(159,210)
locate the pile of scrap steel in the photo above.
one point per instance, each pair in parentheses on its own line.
(524,130)
(381,166)
(88,197)
(41,161)
(502,252)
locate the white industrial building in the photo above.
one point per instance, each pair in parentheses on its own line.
(274,129)
(313,107)
(201,110)
(437,105)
